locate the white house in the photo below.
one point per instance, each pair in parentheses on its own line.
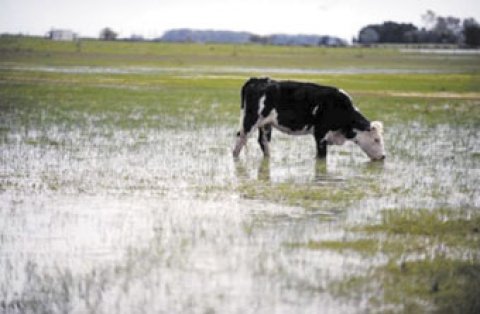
(62,34)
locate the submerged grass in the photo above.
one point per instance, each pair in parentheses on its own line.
(439,223)
(307,196)
(433,262)
(365,247)
(436,285)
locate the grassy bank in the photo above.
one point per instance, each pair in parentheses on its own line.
(117,53)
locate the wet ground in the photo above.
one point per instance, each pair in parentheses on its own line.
(98,219)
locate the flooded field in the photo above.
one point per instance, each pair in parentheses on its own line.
(121,195)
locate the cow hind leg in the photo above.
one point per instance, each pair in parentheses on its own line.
(321,149)
(264,137)
(321,145)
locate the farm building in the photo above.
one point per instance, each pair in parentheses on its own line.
(62,34)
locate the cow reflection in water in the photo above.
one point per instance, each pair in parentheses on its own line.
(264,172)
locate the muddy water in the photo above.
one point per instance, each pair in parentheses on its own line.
(105,220)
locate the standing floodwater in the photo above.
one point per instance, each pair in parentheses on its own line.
(166,219)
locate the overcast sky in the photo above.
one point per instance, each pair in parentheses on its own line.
(151,18)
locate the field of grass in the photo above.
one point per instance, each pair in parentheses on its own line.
(97,53)
(118,191)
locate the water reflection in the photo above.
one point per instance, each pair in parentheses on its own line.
(241,172)
(313,171)
(374,167)
(195,256)
(264,170)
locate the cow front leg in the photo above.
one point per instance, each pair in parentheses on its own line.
(264,137)
(239,143)
(321,143)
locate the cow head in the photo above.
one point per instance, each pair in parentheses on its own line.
(371,141)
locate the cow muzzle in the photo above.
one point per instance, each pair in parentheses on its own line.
(381,158)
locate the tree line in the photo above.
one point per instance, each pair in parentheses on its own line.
(437,29)
(217,36)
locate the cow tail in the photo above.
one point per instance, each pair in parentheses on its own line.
(242,97)
(242,108)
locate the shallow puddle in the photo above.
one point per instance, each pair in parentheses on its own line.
(159,220)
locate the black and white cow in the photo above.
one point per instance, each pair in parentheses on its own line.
(299,108)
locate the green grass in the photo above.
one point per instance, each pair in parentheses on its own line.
(92,52)
(306,196)
(432,261)
(211,100)
(211,96)
(43,104)
(365,247)
(437,285)
(439,223)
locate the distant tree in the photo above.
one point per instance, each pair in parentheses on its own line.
(388,32)
(368,35)
(429,19)
(448,29)
(258,39)
(392,32)
(108,34)
(441,29)
(437,29)
(471,32)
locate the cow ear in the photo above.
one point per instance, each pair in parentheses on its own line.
(377,126)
